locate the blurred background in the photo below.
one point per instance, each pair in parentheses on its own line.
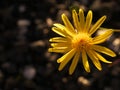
(25,63)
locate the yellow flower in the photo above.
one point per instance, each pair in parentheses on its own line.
(77,42)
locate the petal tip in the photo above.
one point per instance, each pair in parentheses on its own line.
(104,16)
(73,10)
(49,50)
(59,69)
(90,12)
(114,55)
(88,70)
(81,10)
(63,15)
(100,68)
(58,61)
(70,72)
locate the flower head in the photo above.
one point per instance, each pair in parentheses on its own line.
(76,41)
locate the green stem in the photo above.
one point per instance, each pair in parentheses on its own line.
(116,30)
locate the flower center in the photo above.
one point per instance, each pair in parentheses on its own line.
(81,41)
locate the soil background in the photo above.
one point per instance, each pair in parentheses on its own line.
(25,30)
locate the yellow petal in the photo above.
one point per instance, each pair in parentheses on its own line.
(58,50)
(102,58)
(85,61)
(65,44)
(103,37)
(64,30)
(88,21)
(68,24)
(65,59)
(94,59)
(60,26)
(97,25)
(67,56)
(59,31)
(59,39)
(82,19)
(74,63)
(104,50)
(75,20)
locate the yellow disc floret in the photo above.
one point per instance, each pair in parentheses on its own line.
(81,41)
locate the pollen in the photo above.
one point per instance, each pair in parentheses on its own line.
(81,41)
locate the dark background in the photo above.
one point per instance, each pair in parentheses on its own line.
(25,63)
